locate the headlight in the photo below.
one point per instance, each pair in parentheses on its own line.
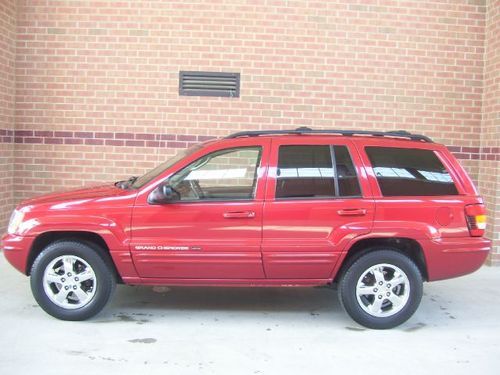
(15,221)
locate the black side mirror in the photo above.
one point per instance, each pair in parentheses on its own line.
(163,194)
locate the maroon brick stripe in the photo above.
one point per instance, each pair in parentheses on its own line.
(170,141)
(465,153)
(490,153)
(6,136)
(106,138)
(475,153)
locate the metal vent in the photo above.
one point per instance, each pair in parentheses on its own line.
(209,84)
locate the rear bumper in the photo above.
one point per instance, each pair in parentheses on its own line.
(16,249)
(452,257)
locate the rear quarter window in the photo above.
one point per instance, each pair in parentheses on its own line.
(406,171)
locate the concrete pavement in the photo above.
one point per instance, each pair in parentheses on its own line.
(251,331)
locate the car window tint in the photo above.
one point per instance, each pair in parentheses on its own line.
(304,172)
(348,183)
(405,171)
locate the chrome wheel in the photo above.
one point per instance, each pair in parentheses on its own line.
(69,282)
(383,290)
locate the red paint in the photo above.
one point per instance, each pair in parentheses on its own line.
(260,242)
(444,216)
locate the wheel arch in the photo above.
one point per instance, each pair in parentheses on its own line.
(92,239)
(407,246)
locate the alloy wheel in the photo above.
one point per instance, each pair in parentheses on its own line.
(383,290)
(69,282)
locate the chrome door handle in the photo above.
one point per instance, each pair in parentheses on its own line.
(239,215)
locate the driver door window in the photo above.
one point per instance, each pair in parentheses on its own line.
(229,174)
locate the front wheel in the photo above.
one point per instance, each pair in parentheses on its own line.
(381,289)
(70,280)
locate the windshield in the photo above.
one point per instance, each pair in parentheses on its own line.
(152,174)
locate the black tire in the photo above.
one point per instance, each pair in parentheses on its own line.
(358,267)
(104,279)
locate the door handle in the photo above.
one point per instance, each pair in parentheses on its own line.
(352,212)
(239,215)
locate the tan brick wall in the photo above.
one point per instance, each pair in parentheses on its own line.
(113,67)
(489,181)
(97,81)
(7,100)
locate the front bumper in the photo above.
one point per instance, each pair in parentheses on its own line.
(16,250)
(452,257)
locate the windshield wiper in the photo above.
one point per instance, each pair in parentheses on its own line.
(125,184)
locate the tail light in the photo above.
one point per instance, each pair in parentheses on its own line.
(475,214)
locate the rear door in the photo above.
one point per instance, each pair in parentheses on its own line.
(316,202)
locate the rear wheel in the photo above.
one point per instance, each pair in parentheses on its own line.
(70,280)
(381,289)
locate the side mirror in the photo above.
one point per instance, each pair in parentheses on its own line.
(163,194)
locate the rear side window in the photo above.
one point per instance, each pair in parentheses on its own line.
(348,184)
(315,171)
(404,171)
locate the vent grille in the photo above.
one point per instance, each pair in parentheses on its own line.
(209,84)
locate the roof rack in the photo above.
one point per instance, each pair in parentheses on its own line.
(306,130)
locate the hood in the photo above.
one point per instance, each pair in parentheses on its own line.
(82,194)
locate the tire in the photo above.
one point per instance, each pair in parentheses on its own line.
(381,289)
(70,280)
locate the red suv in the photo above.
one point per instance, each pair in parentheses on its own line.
(377,213)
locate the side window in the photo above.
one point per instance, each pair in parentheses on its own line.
(308,171)
(226,175)
(347,178)
(404,171)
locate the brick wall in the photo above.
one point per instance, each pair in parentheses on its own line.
(489,183)
(112,67)
(7,56)
(97,81)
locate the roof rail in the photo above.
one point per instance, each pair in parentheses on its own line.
(305,130)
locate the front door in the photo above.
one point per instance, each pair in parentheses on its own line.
(214,230)
(314,206)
